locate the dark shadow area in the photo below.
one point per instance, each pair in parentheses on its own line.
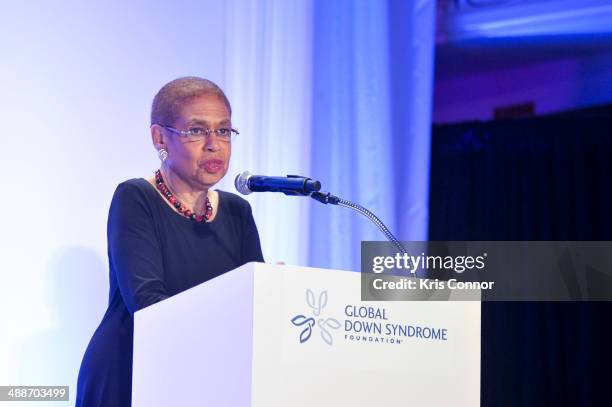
(533,179)
(77,295)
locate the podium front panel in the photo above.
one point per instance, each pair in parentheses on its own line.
(359,353)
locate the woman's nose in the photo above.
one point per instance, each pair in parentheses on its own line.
(212,143)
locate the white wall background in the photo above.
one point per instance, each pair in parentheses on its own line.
(77,80)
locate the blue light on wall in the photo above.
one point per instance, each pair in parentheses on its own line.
(372,81)
(472,20)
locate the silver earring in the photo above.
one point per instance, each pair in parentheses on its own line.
(163,154)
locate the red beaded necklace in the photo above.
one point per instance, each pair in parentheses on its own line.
(163,188)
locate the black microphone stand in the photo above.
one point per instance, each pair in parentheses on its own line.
(327,198)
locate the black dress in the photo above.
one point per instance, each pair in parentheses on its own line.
(155,253)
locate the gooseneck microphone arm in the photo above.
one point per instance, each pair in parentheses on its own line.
(327,198)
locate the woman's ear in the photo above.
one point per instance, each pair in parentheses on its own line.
(158,137)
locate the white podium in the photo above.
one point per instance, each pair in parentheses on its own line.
(278,336)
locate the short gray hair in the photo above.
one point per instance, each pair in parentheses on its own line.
(170,98)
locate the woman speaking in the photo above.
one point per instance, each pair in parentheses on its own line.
(170,232)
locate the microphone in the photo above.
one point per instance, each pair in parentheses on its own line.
(246,183)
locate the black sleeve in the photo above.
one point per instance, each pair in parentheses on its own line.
(251,247)
(134,249)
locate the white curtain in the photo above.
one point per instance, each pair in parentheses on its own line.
(316,89)
(268,78)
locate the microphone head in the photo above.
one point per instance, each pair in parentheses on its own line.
(242,183)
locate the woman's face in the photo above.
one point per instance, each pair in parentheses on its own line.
(200,164)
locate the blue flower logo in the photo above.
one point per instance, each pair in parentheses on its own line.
(326,325)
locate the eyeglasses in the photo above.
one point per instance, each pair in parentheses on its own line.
(200,133)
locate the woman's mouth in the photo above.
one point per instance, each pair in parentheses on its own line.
(212,166)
